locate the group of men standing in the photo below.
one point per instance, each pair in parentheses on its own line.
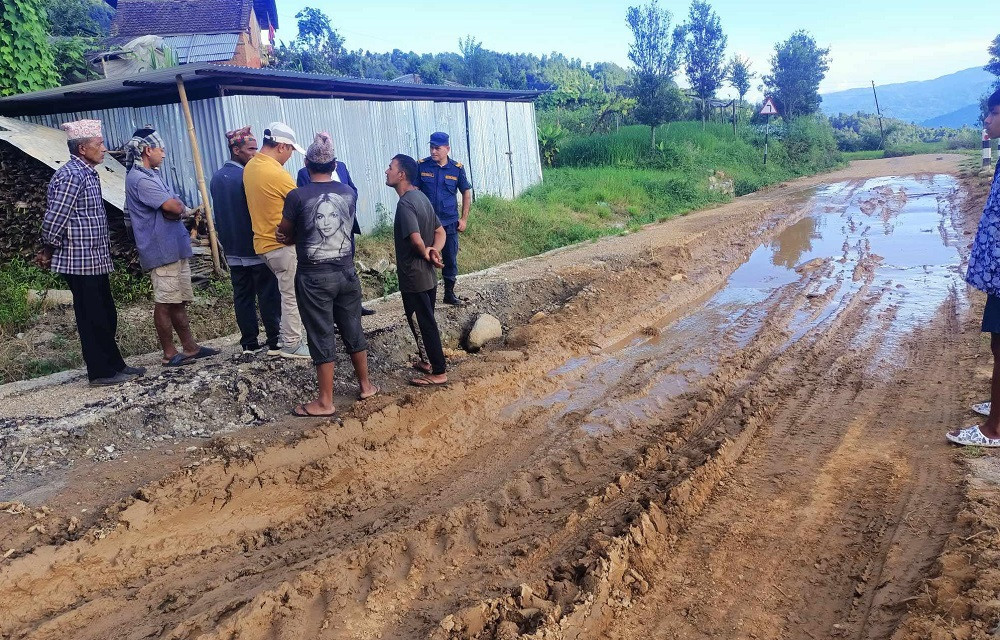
(289,245)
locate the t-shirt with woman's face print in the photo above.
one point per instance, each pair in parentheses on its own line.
(322,214)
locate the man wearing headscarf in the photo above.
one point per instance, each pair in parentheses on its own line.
(164,246)
(76,244)
(253,282)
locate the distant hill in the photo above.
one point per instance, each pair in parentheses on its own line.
(948,97)
(966,116)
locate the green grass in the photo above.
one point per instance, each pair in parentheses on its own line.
(609,184)
(862,155)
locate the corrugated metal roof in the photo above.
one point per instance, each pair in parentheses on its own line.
(213,47)
(207,79)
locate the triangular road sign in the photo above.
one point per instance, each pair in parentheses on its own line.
(768,109)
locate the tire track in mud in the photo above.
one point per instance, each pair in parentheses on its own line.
(410,523)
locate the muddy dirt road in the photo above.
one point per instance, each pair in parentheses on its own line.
(729,425)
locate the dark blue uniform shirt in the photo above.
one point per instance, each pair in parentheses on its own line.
(440,184)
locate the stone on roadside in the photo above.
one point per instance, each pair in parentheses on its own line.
(51,297)
(485,329)
(541,315)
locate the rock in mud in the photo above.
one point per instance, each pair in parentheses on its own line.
(485,329)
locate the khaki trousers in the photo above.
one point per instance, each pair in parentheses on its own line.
(282,262)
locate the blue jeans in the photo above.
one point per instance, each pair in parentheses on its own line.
(449,254)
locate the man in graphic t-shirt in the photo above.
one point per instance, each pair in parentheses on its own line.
(318,218)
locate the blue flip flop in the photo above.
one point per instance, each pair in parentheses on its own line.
(179,360)
(205,352)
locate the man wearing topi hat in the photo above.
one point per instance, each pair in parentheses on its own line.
(77,245)
(254,285)
(266,184)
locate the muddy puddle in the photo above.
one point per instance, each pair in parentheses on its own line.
(886,244)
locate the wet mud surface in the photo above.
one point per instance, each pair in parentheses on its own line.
(729,425)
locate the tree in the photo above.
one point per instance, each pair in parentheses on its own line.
(26,62)
(316,49)
(75,28)
(78,18)
(739,75)
(993,66)
(655,53)
(480,65)
(797,67)
(705,47)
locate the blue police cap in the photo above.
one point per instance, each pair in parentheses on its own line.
(440,139)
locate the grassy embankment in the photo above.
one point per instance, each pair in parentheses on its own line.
(607,184)
(601,185)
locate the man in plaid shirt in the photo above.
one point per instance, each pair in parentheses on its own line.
(76,244)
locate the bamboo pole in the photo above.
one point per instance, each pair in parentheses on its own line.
(199,173)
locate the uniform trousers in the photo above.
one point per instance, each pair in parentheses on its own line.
(449,254)
(96,322)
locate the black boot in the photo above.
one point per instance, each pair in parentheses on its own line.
(449,293)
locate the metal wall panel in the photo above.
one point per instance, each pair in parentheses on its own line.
(526,164)
(366,135)
(489,148)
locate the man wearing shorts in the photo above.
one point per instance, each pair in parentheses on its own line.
(318,218)
(164,245)
(984,274)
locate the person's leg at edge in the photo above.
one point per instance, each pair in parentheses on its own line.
(449,255)
(182,325)
(283,263)
(347,315)
(991,325)
(410,311)
(269,301)
(314,302)
(244,304)
(431,336)
(991,428)
(90,325)
(112,354)
(164,329)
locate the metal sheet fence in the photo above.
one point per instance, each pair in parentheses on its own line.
(495,140)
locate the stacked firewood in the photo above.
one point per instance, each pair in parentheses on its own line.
(23,184)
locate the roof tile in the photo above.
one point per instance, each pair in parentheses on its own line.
(168,17)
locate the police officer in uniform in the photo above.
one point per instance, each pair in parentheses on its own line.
(440,178)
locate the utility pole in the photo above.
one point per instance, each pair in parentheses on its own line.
(881,131)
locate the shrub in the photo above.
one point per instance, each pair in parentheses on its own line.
(810,143)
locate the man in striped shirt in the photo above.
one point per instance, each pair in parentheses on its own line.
(76,244)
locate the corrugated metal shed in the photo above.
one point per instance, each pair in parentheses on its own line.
(214,47)
(493,136)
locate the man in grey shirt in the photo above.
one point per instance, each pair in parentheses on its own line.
(419,238)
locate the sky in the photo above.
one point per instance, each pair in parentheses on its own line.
(869,40)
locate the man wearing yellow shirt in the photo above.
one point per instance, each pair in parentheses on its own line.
(266,184)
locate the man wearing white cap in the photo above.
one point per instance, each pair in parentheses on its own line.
(76,244)
(267,184)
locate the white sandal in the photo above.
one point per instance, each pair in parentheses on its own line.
(983,408)
(972,437)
